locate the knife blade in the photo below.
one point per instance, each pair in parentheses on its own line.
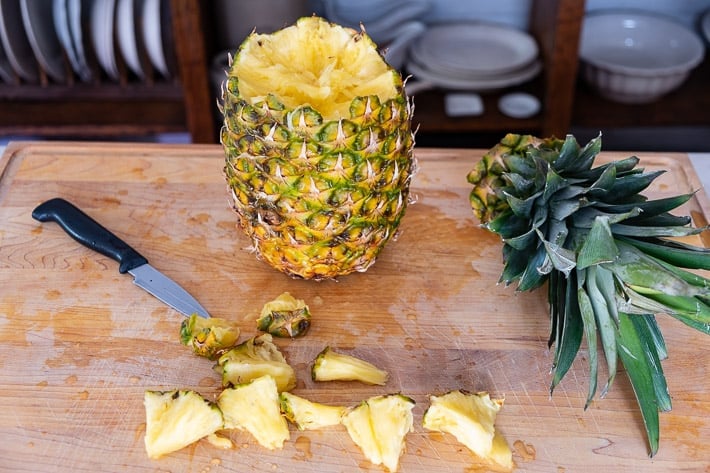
(92,234)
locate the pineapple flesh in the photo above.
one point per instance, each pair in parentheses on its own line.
(309,415)
(470,417)
(330,365)
(254,407)
(379,425)
(253,358)
(318,146)
(175,419)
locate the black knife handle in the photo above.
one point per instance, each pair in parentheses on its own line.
(88,232)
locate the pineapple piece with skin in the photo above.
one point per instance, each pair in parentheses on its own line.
(379,426)
(253,358)
(177,418)
(470,417)
(318,148)
(255,407)
(208,337)
(309,415)
(285,316)
(330,365)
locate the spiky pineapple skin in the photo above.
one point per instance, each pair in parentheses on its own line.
(318,196)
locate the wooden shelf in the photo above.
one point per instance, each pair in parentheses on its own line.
(188,104)
(686,106)
(105,108)
(555,25)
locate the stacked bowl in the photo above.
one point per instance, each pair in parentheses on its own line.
(636,57)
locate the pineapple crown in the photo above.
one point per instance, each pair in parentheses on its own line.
(608,253)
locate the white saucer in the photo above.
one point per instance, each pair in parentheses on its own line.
(519,105)
(472,50)
(480,84)
(463,105)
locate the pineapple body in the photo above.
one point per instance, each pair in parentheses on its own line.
(175,419)
(318,144)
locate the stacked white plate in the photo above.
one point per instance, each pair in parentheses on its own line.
(474,56)
(91,39)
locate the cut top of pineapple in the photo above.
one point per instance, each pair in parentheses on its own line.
(316,63)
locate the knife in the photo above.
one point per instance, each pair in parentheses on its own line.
(92,234)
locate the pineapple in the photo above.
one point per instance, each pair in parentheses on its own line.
(379,426)
(332,366)
(470,417)
(309,415)
(208,337)
(285,316)
(254,407)
(253,358)
(175,419)
(319,148)
(606,252)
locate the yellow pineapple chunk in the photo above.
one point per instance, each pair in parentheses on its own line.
(470,417)
(254,407)
(208,337)
(285,316)
(175,419)
(253,358)
(309,415)
(332,366)
(379,426)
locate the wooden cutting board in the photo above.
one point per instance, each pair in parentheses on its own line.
(79,343)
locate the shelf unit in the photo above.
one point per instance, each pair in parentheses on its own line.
(188,104)
(127,107)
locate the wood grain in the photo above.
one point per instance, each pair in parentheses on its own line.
(79,344)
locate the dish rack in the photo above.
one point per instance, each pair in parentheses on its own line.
(139,96)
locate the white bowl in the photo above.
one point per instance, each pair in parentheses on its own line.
(633,57)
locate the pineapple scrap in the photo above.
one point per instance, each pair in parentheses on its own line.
(253,358)
(208,337)
(470,417)
(175,419)
(285,316)
(332,366)
(309,415)
(255,407)
(379,425)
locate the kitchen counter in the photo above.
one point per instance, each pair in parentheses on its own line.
(79,343)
